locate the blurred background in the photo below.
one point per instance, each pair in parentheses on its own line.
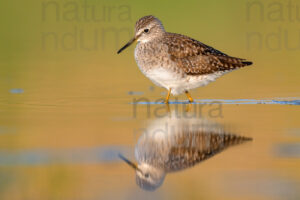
(65,103)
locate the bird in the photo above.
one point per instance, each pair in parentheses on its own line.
(177,62)
(174,143)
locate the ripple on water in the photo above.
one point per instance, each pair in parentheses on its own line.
(279,101)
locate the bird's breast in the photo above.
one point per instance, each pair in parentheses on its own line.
(155,63)
(149,55)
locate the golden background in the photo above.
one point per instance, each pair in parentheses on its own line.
(75,94)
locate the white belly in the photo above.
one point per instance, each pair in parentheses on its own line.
(179,83)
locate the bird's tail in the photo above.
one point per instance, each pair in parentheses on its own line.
(231,63)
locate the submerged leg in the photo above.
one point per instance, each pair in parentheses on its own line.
(189,96)
(188,107)
(168,108)
(168,96)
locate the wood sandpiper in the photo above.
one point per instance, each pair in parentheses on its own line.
(177,62)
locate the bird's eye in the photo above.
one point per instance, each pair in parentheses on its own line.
(147,175)
(146,30)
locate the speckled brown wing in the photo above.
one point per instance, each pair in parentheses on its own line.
(193,148)
(196,58)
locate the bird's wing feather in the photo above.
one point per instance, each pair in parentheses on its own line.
(196,58)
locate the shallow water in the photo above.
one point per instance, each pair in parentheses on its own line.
(69,149)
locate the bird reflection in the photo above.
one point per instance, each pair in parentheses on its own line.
(175,143)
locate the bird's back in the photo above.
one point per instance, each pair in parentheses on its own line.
(196,58)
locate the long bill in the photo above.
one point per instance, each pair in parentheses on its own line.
(131,164)
(127,45)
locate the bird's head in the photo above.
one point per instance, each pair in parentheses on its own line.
(147,177)
(146,29)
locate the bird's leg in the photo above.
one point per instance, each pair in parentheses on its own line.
(168,96)
(189,96)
